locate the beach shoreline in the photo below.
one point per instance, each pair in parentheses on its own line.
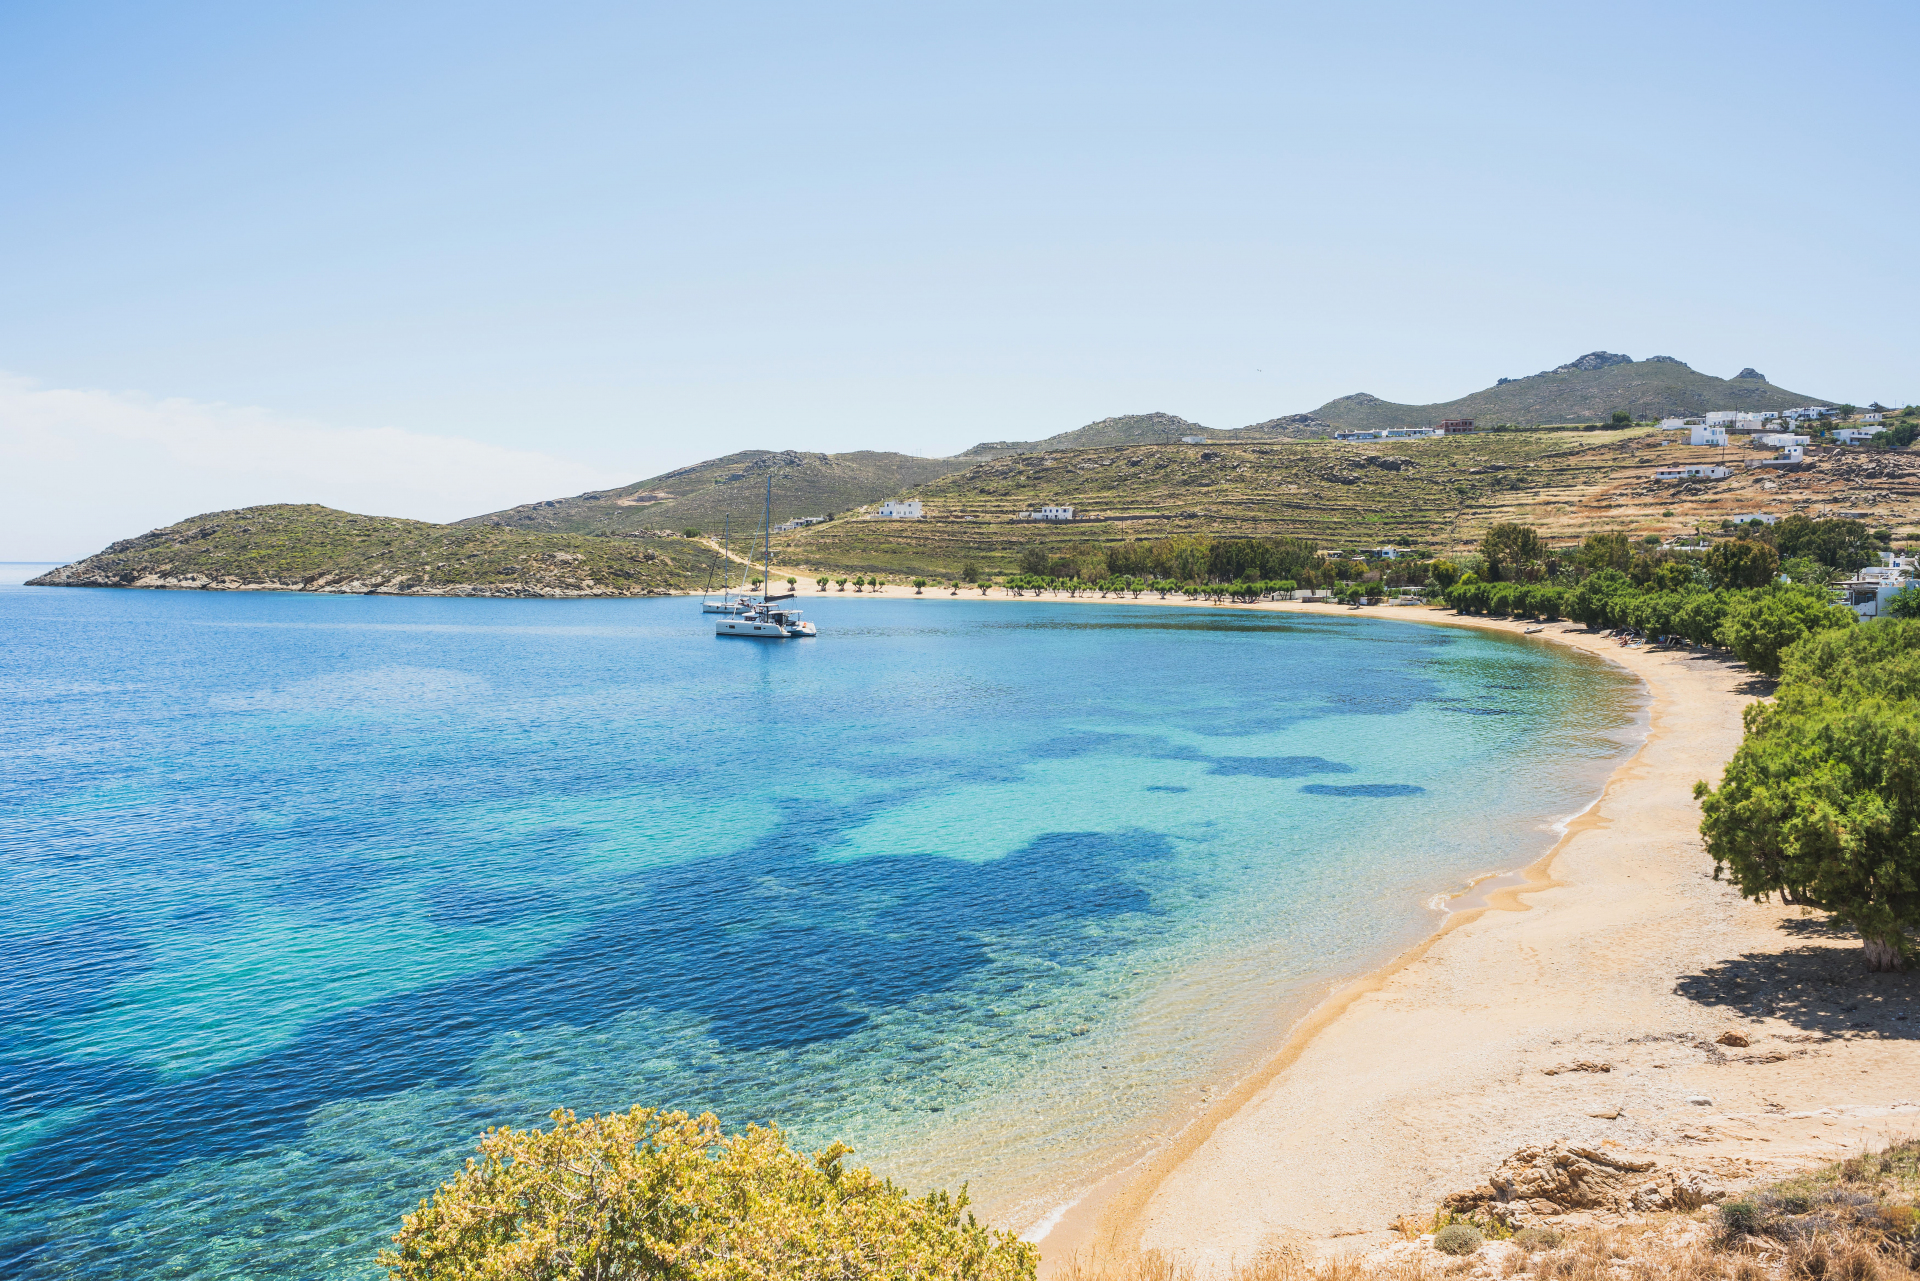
(1617,946)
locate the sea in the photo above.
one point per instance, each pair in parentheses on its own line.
(308,891)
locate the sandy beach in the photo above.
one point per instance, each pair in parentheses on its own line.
(1618,952)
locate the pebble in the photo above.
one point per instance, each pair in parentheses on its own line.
(1700,1100)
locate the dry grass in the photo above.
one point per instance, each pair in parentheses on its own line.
(1854,1220)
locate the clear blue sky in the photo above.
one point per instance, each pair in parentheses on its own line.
(624,237)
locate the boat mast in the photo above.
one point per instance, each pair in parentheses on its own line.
(766,583)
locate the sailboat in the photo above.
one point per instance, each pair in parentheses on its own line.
(726,604)
(761,620)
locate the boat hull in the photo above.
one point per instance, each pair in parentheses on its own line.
(752,629)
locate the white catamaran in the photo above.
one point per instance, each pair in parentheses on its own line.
(760,618)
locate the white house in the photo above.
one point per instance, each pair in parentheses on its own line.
(1765,518)
(898,510)
(1868,596)
(1693,471)
(1854,435)
(1720,417)
(1777,439)
(1704,435)
(1050,512)
(1871,418)
(1193,440)
(1791,456)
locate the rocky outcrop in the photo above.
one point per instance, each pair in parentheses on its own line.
(1591,361)
(1544,1182)
(1667,360)
(1291,425)
(1751,372)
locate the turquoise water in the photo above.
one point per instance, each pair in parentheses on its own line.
(308,891)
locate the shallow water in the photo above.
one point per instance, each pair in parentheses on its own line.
(309,890)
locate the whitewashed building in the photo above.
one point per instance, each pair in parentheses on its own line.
(1693,471)
(1779,439)
(896,509)
(1193,440)
(1050,512)
(1765,518)
(1854,435)
(1704,435)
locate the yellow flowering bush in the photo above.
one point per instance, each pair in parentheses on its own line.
(652,1194)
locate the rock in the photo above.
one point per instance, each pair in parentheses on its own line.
(1669,360)
(1606,1114)
(1579,1065)
(1733,1037)
(1591,361)
(1751,372)
(1554,1180)
(1700,1100)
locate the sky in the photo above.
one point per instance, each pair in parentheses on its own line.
(434,259)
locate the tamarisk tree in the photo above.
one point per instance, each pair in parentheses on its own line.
(1821,803)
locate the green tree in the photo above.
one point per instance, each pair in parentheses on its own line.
(653,1194)
(1843,544)
(1741,562)
(690,533)
(1605,551)
(1621,418)
(1509,550)
(1033,560)
(820,584)
(842,582)
(1444,574)
(1821,803)
(1761,625)
(969,572)
(919,584)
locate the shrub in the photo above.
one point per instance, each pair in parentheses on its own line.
(1535,1239)
(1738,1218)
(1458,1238)
(1763,624)
(662,1194)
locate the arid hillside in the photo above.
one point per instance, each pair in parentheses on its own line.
(1434,495)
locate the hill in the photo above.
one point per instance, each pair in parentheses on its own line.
(1438,496)
(700,496)
(309,548)
(1150,429)
(1584,390)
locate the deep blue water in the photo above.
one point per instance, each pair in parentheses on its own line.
(307,891)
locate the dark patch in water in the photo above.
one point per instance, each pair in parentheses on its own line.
(1159,788)
(1483,711)
(1089,743)
(1363,789)
(841,942)
(1278,766)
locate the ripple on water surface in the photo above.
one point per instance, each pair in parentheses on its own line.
(315,889)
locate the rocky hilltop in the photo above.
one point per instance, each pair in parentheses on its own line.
(308,548)
(1585,389)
